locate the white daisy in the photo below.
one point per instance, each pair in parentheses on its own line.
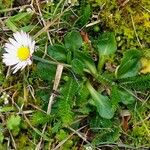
(19,51)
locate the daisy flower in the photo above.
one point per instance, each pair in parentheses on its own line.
(18,51)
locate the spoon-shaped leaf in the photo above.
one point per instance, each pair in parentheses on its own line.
(101,102)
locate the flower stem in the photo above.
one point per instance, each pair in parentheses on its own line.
(101,63)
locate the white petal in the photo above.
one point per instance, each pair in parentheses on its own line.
(9,47)
(10,62)
(11,53)
(32,47)
(18,38)
(15,69)
(14,43)
(29,62)
(18,66)
(24,38)
(24,66)
(9,56)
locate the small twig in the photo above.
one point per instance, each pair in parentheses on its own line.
(124,3)
(144,125)
(13,102)
(93,23)
(38,132)
(45,52)
(146,99)
(57,7)
(25,112)
(25,94)
(107,144)
(145,8)
(38,147)
(13,141)
(37,108)
(55,86)
(45,28)
(86,133)
(135,32)
(62,142)
(51,99)
(8,143)
(131,93)
(82,137)
(148,117)
(8,88)
(24,115)
(8,72)
(44,23)
(31,90)
(62,8)
(15,8)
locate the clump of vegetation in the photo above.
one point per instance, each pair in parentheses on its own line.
(88,85)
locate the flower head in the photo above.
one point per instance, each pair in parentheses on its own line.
(19,51)
(145,62)
(5,98)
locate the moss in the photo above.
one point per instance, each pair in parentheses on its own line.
(140,136)
(5,4)
(129,21)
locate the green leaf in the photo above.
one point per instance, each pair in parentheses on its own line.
(97,122)
(13,122)
(85,15)
(107,44)
(1,137)
(86,59)
(46,71)
(126,98)
(20,16)
(7,109)
(111,135)
(102,103)
(69,89)
(77,66)
(82,97)
(11,25)
(119,95)
(43,95)
(56,127)
(57,52)
(137,82)
(65,112)
(130,64)
(28,28)
(20,19)
(69,57)
(73,40)
(61,135)
(115,98)
(40,118)
(85,110)
(65,102)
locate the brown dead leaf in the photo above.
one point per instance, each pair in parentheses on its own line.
(85,37)
(125,116)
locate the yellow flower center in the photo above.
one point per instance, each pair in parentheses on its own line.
(23,53)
